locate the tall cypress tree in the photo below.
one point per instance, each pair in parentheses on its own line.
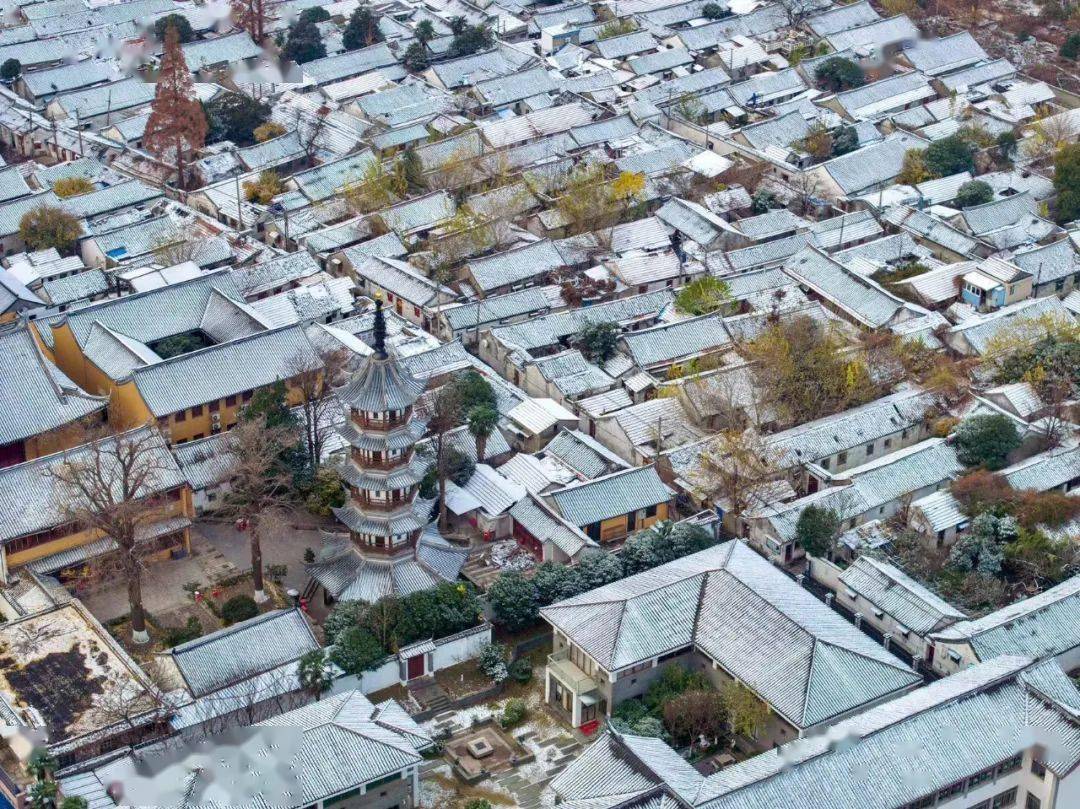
(177,124)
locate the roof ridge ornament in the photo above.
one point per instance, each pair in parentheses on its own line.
(380,328)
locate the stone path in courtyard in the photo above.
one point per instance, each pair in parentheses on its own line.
(554,750)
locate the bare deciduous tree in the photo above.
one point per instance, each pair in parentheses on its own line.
(316,380)
(259,486)
(115,486)
(734,467)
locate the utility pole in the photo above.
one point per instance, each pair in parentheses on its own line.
(78,128)
(239,209)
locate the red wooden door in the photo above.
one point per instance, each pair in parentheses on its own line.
(416,667)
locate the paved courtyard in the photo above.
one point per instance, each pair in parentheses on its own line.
(282,544)
(218,551)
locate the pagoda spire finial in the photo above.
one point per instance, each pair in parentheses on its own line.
(380,329)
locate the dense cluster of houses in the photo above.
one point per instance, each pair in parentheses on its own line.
(527,191)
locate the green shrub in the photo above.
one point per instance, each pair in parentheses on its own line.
(521,671)
(356,650)
(478,803)
(513,713)
(239,608)
(176,635)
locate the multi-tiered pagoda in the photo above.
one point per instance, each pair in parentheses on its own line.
(391,545)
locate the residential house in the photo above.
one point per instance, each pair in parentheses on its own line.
(378,750)
(1000,733)
(610,507)
(854,297)
(38,532)
(875,490)
(1054,268)
(524,266)
(405,289)
(44,408)
(1006,223)
(973,336)
(550,538)
(639,433)
(994,283)
(1040,627)
(887,599)
(731,615)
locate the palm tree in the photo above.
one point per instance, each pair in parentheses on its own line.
(482,422)
(424,33)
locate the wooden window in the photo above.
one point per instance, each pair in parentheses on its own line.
(230,401)
(215,405)
(180,415)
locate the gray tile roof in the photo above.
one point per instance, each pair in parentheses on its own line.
(481,314)
(12,212)
(825,437)
(398,278)
(765,87)
(842,17)
(1050,262)
(223,370)
(516,265)
(35,396)
(205,462)
(68,77)
(338,743)
(771,223)
(861,299)
(659,62)
(767,254)
(1042,626)
(874,485)
(106,98)
(243,650)
(12,184)
(229,49)
(626,45)
(34,499)
(695,221)
(879,33)
(899,595)
(550,329)
(872,165)
(610,496)
(584,454)
(930,228)
(674,341)
(796,653)
(500,61)
(781,132)
(896,91)
(978,332)
(77,287)
(112,198)
(981,219)
(944,55)
(515,87)
(1045,471)
(276,271)
(979,74)
(933,738)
